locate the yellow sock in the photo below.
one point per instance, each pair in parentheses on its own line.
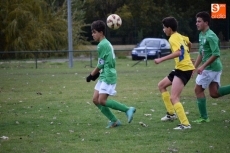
(181,114)
(167,102)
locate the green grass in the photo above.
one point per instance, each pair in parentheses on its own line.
(49,110)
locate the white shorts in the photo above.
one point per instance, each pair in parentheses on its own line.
(105,88)
(206,77)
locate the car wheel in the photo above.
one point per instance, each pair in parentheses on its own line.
(134,58)
(158,55)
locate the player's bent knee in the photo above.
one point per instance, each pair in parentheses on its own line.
(161,86)
(214,95)
(95,101)
(198,92)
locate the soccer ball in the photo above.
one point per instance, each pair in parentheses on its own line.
(114,21)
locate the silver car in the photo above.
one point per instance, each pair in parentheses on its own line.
(151,48)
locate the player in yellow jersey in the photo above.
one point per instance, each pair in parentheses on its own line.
(179,77)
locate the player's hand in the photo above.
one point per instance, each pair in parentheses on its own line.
(89,78)
(193,72)
(157,61)
(193,61)
(200,70)
(95,76)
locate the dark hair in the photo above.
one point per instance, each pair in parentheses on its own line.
(204,16)
(99,26)
(170,22)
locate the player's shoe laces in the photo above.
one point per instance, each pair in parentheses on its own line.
(182,127)
(113,124)
(169,117)
(130,113)
(201,120)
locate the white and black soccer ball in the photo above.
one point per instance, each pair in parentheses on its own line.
(114,21)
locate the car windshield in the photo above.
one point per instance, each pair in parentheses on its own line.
(150,43)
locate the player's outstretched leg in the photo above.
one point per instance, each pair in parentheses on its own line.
(182,117)
(201,103)
(130,114)
(169,117)
(121,107)
(225,90)
(114,122)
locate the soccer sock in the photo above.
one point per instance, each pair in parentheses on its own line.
(181,114)
(224,90)
(106,111)
(201,103)
(167,102)
(116,105)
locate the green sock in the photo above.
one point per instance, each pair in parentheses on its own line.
(106,111)
(224,90)
(201,102)
(116,105)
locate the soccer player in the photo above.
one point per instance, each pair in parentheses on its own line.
(179,77)
(210,66)
(106,71)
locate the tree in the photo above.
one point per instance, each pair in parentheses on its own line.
(29,25)
(142,19)
(78,21)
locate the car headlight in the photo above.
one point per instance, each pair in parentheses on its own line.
(134,51)
(152,52)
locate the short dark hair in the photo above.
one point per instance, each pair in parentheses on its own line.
(99,26)
(170,22)
(204,16)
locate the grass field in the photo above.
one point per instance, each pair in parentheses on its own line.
(49,110)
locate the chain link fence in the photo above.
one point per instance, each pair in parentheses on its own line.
(61,56)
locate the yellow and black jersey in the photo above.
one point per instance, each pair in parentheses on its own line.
(180,43)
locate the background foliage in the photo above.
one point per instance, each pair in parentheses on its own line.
(143,18)
(34,25)
(42,24)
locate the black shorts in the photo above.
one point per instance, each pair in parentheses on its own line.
(183,75)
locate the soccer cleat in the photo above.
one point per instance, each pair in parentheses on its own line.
(182,127)
(201,120)
(113,124)
(169,117)
(130,113)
